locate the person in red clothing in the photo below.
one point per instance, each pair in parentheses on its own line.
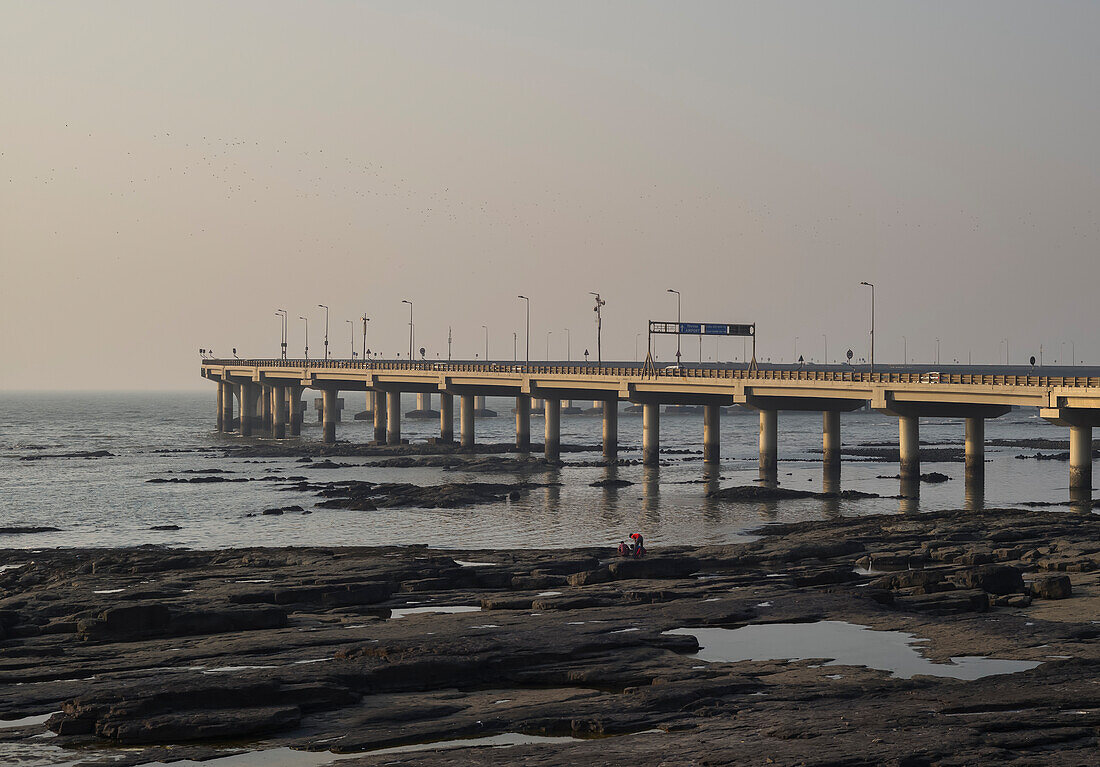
(637,549)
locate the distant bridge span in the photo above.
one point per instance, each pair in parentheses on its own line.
(270,391)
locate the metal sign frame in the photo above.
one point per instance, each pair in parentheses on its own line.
(746,330)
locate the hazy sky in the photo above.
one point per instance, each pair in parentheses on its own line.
(172,173)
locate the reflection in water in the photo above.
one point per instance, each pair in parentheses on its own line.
(651,494)
(830,485)
(711,483)
(910,496)
(1080,499)
(974,491)
(769,477)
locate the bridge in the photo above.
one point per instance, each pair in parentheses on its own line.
(269,393)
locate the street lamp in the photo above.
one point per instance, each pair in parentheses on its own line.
(322,306)
(528,300)
(365,319)
(1006,351)
(486,329)
(351,332)
(282,313)
(515,346)
(670,290)
(598,309)
(410,303)
(548,334)
(872,287)
(306,321)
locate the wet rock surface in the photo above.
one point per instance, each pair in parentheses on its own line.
(194,654)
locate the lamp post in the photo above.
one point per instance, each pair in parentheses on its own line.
(365,319)
(670,290)
(486,329)
(515,346)
(548,334)
(1006,351)
(322,306)
(528,300)
(351,333)
(410,303)
(598,309)
(282,313)
(872,287)
(306,321)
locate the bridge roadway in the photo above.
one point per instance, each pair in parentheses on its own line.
(269,391)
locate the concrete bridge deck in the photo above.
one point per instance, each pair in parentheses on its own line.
(273,388)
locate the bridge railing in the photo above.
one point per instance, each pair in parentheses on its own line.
(670,372)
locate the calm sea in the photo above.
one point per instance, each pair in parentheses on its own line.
(109,502)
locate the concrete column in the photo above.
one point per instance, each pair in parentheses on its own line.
(1080,458)
(423,401)
(712,433)
(266,404)
(651,434)
(370,401)
(479,403)
(830,440)
(909,442)
(523,422)
(446,417)
(278,412)
(295,393)
(975,446)
(466,416)
(393,418)
(769,441)
(611,430)
(226,405)
(329,428)
(380,416)
(221,407)
(248,408)
(552,442)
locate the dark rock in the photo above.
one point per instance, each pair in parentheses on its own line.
(995,579)
(78,454)
(1052,587)
(165,527)
(611,483)
(28,530)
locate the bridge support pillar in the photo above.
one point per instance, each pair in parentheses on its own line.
(393,418)
(295,396)
(611,430)
(769,442)
(830,440)
(909,444)
(380,413)
(446,417)
(467,408)
(423,401)
(226,402)
(552,441)
(712,433)
(651,434)
(329,415)
(265,402)
(278,412)
(523,422)
(975,447)
(1080,458)
(248,408)
(221,406)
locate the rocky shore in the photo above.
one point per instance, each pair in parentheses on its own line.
(154,655)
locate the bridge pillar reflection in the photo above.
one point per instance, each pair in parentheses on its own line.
(329,415)
(381,413)
(294,395)
(278,412)
(248,408)
(265,406)
(651,434)
(1080,458)
(909,448)
(611,430)
(769,443)
(552,440)
(830,441)
(446,417)
(712,433)
(467,407)
(393,418)
(523,422)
